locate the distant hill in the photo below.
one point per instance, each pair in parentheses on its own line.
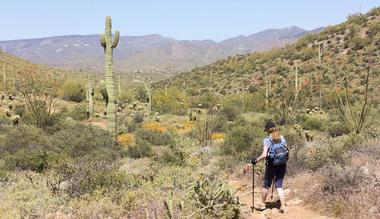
(347,50)
(11,65)
(150,52)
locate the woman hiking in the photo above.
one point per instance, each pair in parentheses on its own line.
(275,153)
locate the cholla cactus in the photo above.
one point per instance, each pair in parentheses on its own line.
(109,44)
(214,199)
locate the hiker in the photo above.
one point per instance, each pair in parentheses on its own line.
(275,153)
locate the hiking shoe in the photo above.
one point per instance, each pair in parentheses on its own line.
(283,209)
(260,207)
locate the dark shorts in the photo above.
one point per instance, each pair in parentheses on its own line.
(276,173)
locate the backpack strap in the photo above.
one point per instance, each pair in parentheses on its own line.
(270,147)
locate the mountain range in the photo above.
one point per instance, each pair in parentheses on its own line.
(145,53)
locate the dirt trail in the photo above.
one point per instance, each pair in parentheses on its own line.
(296,208)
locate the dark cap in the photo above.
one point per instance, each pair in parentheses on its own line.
(269,125)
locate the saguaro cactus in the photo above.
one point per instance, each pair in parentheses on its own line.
(296,83)
(90,99)
(109,44)
(149,93)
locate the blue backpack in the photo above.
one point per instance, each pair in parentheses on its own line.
(278,154)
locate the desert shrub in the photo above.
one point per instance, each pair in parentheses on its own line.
(78,140)
(207,100)
(126,96)
(321,153)
(26,147)
(141,94)
(24,198)
(204,129)
(170,101)
(336,129)
(154,137)
(358,43)
(373,29)
(78,113)
(73,90)
(86,175)
(138,118)
(313,123)
(230,112)
(220,123)
(314,156)
(243,139)
(20,110)
(173,155)
(142,148)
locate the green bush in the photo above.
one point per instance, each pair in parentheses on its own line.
(173,156)
(138,118)
(73,90)
(243,140)
(86,175)
(230,112)
(154,137)
(313,123)
(170,101)
(337,129)
(78,113)
(142,149)
(78,140)
(26,147)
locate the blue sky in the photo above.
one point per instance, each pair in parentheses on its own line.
(180,19)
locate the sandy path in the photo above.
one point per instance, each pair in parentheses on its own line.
(296,208)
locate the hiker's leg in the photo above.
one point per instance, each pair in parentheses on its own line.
(264,194)
(281,194)
(268,177)
(280,174)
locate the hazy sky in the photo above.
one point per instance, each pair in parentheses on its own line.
(181,19)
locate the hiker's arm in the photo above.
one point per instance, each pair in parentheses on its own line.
(263,155)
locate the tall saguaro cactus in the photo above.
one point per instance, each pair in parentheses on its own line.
(109,44)
(149,93)
(296,87)
(90,94)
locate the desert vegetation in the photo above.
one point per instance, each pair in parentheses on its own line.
(98,146)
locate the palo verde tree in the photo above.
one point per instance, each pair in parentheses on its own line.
(109,44)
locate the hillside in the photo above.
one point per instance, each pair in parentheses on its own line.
(149,52)
(11,67)
(345,51)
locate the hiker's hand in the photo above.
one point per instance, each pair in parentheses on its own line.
(254,161)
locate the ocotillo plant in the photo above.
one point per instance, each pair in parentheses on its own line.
(4,78)
(109,44)
(90,99)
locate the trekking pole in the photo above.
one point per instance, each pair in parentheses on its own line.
(253,189)
(271,197)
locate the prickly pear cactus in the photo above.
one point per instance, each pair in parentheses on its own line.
(109,44)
